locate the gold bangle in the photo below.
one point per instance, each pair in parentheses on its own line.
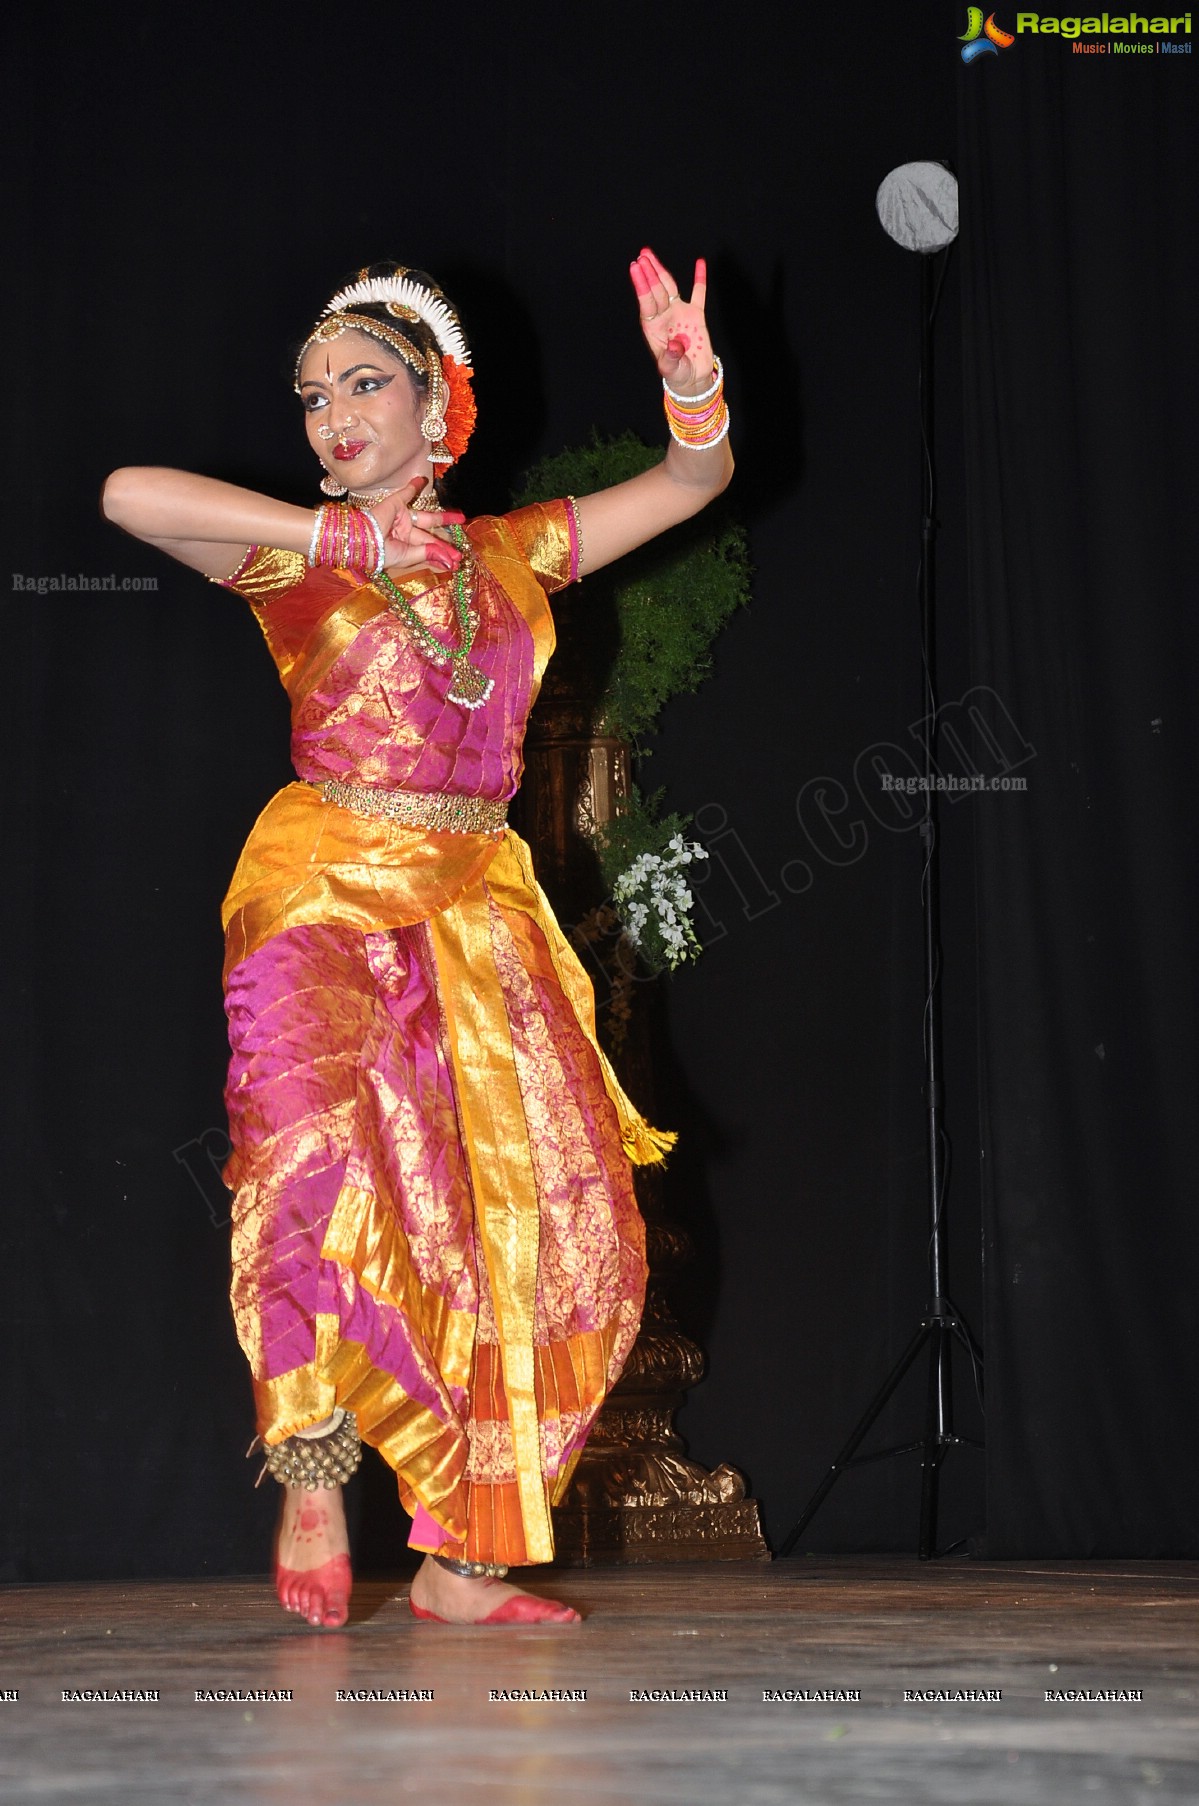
(572,504)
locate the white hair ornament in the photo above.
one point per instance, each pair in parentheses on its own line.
(396,292)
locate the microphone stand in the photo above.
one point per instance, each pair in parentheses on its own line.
(940,1325)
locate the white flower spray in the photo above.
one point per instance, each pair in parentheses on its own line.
(655,903)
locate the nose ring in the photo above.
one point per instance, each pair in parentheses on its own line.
(325,432)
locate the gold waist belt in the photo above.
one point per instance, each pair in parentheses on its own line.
(437,810)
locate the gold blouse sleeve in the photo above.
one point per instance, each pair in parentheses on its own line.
(265,572)
(548,535)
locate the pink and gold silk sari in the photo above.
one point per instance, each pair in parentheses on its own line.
(433,1221)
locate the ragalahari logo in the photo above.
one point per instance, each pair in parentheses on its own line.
(983,37)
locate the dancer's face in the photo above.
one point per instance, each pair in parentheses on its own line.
(354,387)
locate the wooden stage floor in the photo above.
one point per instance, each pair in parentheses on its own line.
(880,1628)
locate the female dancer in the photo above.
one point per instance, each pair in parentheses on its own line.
(436,1246)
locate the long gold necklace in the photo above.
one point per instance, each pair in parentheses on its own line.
(470,686)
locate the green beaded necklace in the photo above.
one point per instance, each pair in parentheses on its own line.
(469,686)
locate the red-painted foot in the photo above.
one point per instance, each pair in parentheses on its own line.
(321,1595)
(522,1608)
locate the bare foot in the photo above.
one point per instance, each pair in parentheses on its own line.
(453,1599)
(312,1556)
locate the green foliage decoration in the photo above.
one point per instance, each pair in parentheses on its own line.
(643,632)
(670,598)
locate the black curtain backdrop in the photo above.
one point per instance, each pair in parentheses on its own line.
(1078,309)
(183,198)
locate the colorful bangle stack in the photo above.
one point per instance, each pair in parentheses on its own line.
(347,539)
(698,421)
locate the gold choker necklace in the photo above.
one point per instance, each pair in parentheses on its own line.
(370,498)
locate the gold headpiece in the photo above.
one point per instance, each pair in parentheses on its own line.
(333,325)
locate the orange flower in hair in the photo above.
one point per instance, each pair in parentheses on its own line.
(460,412)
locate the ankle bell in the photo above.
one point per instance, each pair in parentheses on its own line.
(314,1458)
(473,1570)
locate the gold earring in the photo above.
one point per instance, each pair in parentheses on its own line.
(433,420)
(330,485)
